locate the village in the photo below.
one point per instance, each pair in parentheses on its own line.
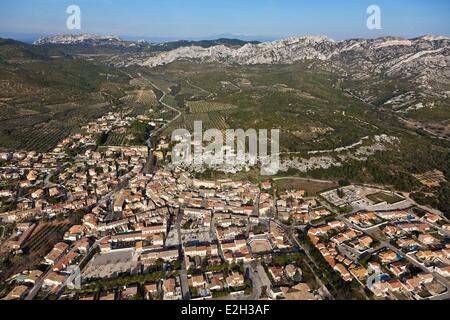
(99,222)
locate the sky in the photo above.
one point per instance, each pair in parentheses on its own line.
(195,19)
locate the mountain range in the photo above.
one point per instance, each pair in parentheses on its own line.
(400,74)
(426,58)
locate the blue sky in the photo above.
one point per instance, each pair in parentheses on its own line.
(205,18)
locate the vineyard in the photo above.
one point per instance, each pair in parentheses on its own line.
(209,121)
(208,106)
(42,238)
(116,139)
(138,110)
(41,138)
(40,128)
(140,100)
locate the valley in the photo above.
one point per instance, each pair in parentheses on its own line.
(341,115)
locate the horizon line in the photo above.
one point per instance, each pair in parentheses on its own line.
(268,38)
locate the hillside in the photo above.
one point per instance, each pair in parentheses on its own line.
(46,93)
(345,109)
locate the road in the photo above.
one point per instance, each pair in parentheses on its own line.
(296,244)
(437,276)
(183,275)
(257,283)
(408,122)
(38,284)
(386,244)
(161,102)
(201,89)
(165,105)
(183,272)
(418,126)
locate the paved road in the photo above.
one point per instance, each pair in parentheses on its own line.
(201,89)
(38,285)
(408,122)
(165,105)
(296,244)
(437,276)
(256,282)
(183,272)
(386,244)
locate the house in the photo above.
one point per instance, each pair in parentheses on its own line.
(235,279)
(391,231)
(204,184)
(54,279)
(74,233)
(266,185)
(393,215)
(428,239)
(150,291)
(299,292)
(387,256)
(32,276)
(398,268)
(37,194)
(82,245)
(394,285)
(346,276)
(443,271)
(409,227)
(129,293)
(107,296)
(360,272)
(215,281)
(17,293)
(426,255)
(374,266)
(276,273)
(87,297)
(415,283)
(201,251)
(319,231)
(407,243)
(53,192)
(171,289)
(56,253)
(32,175)
(291,270)
(234,246)
(197,281)
(166,255)
(432,218)
(446,252)
(336,224)
(365,241)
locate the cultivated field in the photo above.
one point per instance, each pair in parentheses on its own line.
(311,187)
(208,106)
(380,197)
(209,121)
(44,237)
(116,139)
(144,97)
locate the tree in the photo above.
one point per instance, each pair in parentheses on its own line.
(263,291)
(297,276)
